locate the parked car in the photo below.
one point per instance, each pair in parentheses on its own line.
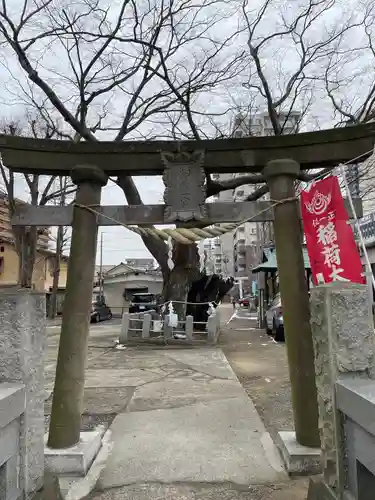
(142,302)
(245,301)
(99,312)
(275,319)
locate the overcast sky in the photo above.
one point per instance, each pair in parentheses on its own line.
(120,243)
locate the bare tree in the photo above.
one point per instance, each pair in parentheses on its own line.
(349,82)
(289,50)
(154,58)
(133,69)
(349,79)
(62,241)
(289,53)
(41,191)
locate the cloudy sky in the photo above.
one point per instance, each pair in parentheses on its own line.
(118,242)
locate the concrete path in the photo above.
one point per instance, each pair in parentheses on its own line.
(189,421)
(184,426)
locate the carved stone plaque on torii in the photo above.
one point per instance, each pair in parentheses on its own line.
(184,181)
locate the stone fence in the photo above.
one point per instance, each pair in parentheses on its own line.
(150,328)
(12,409)
(343,334)
(22,338)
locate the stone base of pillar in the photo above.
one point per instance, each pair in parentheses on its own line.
(299,460)
(318,490)
(76,488)
(76,460)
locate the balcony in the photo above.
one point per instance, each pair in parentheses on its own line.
(240,271)
(240,248)
(240,264)
(239,239)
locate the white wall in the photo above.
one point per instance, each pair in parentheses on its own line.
(114,288)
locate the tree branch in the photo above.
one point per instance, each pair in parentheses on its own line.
(215,187)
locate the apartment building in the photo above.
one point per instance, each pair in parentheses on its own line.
(215,260)
(260,124)
(242,247)
(224,243)
(245,239)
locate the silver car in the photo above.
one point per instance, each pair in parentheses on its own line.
(275,319)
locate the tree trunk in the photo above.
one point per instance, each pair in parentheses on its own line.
(52,309)
(180,278)
(26,241)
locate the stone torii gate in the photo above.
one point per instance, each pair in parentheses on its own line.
(279,161)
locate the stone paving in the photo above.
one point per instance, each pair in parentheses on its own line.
(189,420)
(182,425)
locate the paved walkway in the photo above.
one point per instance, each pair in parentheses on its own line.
(189,420)
(184,427)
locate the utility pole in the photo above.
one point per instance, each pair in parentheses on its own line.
(52,309)
(101,288)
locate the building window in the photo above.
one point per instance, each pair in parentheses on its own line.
(2,249)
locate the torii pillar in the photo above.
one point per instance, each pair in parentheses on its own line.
(67,403)
(281,176)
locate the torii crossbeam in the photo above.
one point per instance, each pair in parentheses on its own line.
(245,155)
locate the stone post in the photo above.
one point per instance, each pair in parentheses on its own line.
(212,329)
(343,337)
(168,330)
(67,404)
(281,176)
(189,327)
(146,326)
(125,320)
(22,342)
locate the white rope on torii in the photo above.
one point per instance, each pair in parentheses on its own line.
(187,236)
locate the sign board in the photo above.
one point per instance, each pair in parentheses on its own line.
(367,226)
(330,240)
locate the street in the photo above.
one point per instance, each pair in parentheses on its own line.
(54,329)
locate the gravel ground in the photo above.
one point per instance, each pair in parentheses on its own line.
(262,368)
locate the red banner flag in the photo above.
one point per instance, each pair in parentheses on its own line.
(330,241)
